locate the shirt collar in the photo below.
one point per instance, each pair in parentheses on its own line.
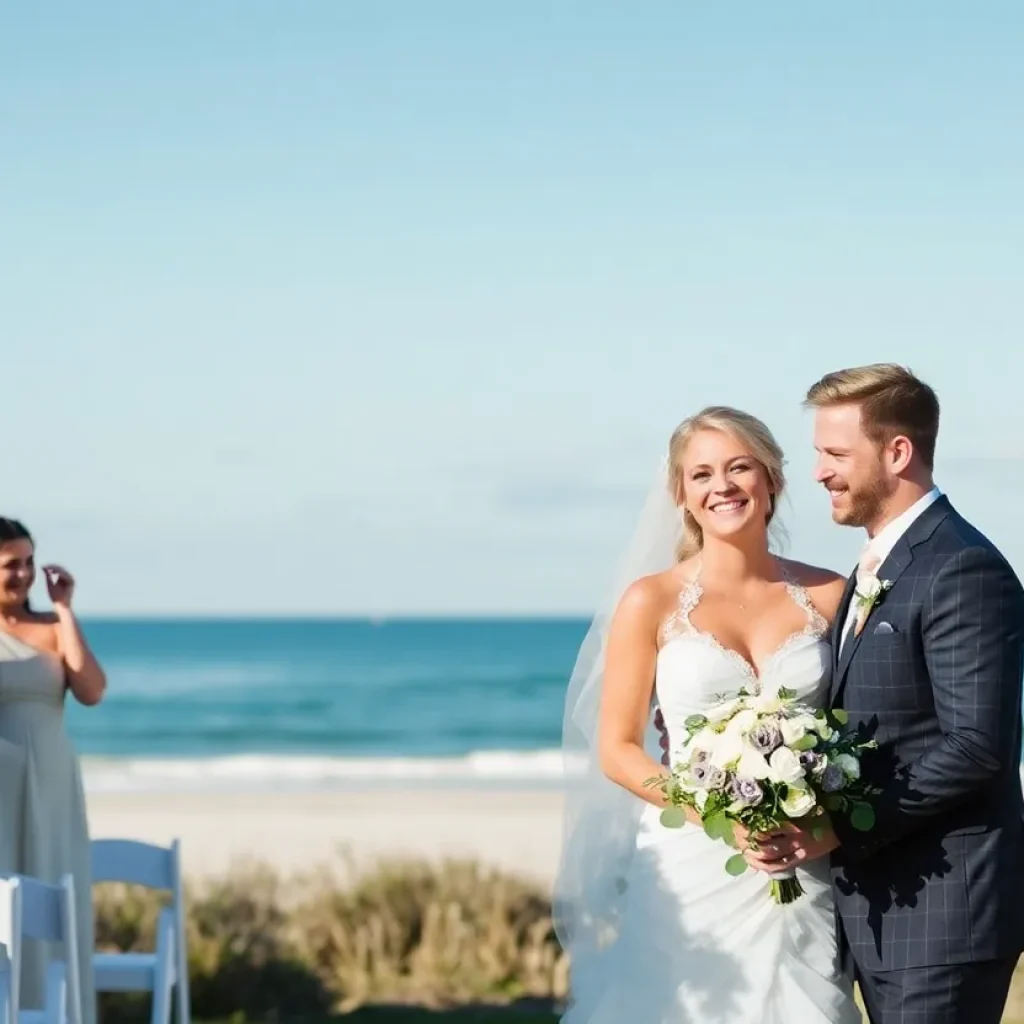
(885,540)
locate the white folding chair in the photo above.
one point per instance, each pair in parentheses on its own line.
(34,910)
(159,972)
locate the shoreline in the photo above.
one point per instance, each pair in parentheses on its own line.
(516,830)
(527,769)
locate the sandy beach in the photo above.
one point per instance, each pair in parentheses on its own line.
(520,831)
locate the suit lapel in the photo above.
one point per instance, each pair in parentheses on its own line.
(837,633)
(840,619)
(889,571)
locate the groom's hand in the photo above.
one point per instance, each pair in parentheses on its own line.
(791,847)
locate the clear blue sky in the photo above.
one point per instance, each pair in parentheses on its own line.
(391,307)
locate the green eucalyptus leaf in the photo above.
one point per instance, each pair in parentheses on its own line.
(736,864)
(673,817)
(862,817)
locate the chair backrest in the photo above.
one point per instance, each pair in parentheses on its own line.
(136,863)
(10,939)
(10,911)
(31,909)
(155,867)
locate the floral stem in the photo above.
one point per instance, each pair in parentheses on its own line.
(786,890)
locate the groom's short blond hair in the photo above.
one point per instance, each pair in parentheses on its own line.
(892,400)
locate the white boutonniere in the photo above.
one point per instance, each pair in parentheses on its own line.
(870,590)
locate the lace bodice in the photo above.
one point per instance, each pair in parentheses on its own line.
(695,670)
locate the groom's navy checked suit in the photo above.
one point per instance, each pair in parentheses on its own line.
(930,902)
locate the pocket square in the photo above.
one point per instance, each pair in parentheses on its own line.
(884,628)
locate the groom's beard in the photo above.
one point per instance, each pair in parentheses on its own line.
(867,503)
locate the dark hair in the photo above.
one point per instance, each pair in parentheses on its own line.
(892,401)
(12,529)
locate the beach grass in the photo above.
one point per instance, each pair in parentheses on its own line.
(407,942)
(421,938)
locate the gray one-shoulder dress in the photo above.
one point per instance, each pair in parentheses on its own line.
(43,827)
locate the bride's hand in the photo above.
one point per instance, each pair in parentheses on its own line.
(792,846)
(757,842)
(744,839)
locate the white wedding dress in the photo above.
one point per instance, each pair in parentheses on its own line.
(696,945)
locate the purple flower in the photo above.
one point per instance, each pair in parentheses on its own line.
(699,772)
(716,778)
(811,762)
(833,779)
(745,791)
(766,737)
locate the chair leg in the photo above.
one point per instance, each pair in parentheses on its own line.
(161,1002)
(182,1008)
(6,994)
(163,983)
(58,995)
(184,1001)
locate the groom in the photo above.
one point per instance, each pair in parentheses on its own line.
(928,653)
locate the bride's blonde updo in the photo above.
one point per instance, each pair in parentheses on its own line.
(749,431)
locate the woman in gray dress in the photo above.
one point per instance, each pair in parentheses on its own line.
(43,828)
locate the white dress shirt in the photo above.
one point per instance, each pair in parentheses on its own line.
(885,540)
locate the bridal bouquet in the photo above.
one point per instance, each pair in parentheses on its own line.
(764,760)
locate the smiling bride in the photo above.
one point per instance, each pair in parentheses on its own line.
(656,929)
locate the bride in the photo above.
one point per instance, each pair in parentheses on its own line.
(657,931)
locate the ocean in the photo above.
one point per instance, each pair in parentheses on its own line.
(258,703)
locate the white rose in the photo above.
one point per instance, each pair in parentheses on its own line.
(793,730)
(706,740)
(742,722)
(850,765)
(785,766)
(726,748)
(798,726)
(799,800)
(869,588)
(767,700)
(703,740)
(753,765)
(823,729)
(723,711)
(767,704)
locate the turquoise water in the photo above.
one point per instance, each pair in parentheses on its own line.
(325,702)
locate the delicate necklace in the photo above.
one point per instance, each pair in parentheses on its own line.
(726,596)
